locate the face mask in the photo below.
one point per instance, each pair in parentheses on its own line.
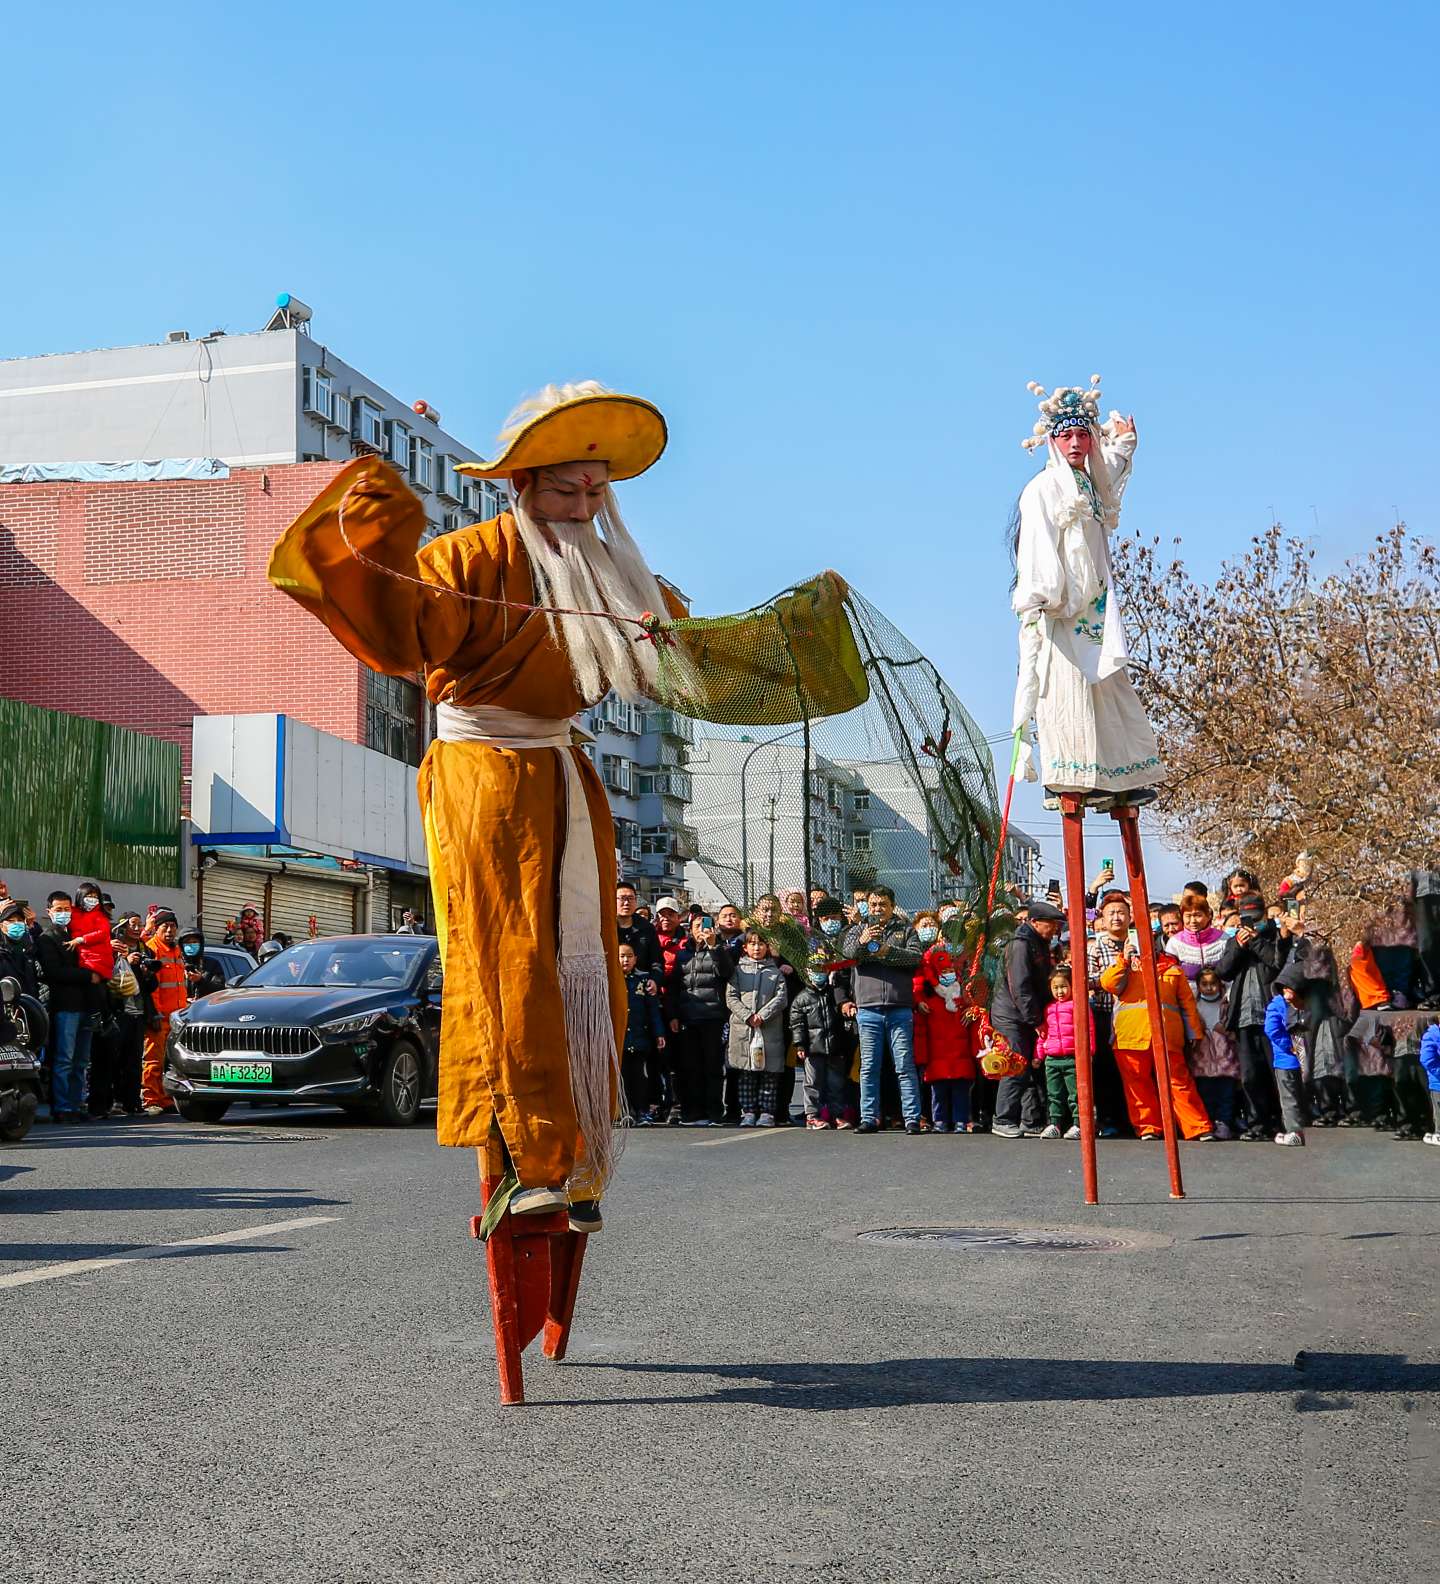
(830,926)
(1231,932)
(1209,995)
(191,948)
(927,933)
(819,980)
(863,909)
(62,918)
(947,978)
(946,914)
(15,929)
(89,903)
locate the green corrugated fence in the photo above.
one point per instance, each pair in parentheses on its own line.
(81,797)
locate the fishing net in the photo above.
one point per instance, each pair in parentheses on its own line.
(829,752)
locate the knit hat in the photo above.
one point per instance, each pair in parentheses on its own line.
(9,910)
(163,916)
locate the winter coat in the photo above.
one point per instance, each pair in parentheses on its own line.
(166,972)
(17,961)
(1250,972)
(1197,949)
(644,1025)
(701,974)
(670,948)
(72,988)
(95,953)
(1370,987)
(1023,990)
(640,936)
(817,1026)
(1059,1036)
(946,1041)
(1277,1031)
(756,988)
(1430,1057)
(1178,1012)
(1215,1056)
(884,969)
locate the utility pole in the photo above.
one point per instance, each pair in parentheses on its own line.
(771,886)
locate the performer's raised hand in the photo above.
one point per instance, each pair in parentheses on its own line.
(1119,425)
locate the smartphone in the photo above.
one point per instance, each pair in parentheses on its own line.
(706,922)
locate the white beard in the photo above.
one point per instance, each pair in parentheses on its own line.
(590,573)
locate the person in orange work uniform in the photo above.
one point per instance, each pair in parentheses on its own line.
(517,623)
(1181,1019)
(163,975)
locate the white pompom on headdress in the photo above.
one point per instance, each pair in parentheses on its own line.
(1066,407)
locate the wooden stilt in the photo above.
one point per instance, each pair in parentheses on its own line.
(567,1255)
(1073,813)
(1128,818)
(533,1267)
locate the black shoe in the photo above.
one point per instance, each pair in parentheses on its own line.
(912,1127)
(866,1127)
(585,1216)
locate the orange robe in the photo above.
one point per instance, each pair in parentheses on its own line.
(494,817)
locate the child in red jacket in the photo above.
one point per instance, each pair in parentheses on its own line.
(944,1040)
(1058,1049)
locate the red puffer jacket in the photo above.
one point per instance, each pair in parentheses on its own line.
(945,1042)
(1059,1037)
(96,950)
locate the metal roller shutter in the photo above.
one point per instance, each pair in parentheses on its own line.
(224,891)
(379,901)
(295,897)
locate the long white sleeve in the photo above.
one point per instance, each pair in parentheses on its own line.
(1040,582)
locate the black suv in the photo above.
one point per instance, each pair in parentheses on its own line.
(350,1020)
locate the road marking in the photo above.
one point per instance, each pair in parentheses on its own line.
(741,1135)
(156,1251)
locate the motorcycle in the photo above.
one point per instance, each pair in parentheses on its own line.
(24,1028)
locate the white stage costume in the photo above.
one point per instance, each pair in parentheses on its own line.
(1094,736)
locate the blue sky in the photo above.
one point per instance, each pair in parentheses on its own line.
(832,241)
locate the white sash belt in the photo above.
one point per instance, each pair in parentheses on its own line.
(584,974)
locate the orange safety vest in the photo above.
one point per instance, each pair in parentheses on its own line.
(170,994)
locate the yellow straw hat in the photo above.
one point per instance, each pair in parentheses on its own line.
(583,422)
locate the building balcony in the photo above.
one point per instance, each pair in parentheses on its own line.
(670,724)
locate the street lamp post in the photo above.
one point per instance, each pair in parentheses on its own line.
(744,822)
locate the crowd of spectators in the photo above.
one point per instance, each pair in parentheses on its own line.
(843,1013)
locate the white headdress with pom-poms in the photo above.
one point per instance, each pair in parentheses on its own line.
(1066,407)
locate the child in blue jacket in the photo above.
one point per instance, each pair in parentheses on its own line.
(1289,984)
(1430,1061)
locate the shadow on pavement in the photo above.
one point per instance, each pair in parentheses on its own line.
(901,1383)
(46,1201)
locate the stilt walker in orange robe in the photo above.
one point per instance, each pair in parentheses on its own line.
(1096,748)
(517,624)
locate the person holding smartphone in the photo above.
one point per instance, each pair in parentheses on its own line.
(703,968)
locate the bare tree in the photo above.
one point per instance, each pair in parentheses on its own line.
(1296,712)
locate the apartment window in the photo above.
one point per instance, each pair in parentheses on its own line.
(655,839)
(340,416)
(860,842)
(447,480)
(450,522)
(392,717)
(397,442)
(627,839)
(862,803)
(422,463)
(367,424)
(492,498)
(615,772)
(319,394)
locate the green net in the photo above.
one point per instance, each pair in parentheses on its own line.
(829,753)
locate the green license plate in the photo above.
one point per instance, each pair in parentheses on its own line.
(241,1072)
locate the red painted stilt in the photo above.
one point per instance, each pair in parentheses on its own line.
(1073,812)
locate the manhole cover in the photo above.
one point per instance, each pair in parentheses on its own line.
(259,1136)
(984,1238)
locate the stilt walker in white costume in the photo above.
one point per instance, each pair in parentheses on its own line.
(1096,747)
(1094,737)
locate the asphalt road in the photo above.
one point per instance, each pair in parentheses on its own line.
(753,1392)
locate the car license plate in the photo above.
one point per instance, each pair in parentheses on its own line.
(241,1072)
